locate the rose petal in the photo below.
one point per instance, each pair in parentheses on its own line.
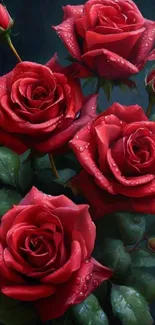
(64,273)
(83,282)
(126,181)
(5,18)
(128,114)
(108,64)
(66,31)
(8,220)
(83,151)
(87,229)
(8,273)
(29,292)
(147,189)
(13,142)
(145,44)
(120,43)
(73,11)
(60,138)
(101,202)
(53,65)
(105,135)
(35,197)
(151,56)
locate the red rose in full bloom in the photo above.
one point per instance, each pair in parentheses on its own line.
(41,107)
(117,153)
(109,38)
(6,21)
(45,253)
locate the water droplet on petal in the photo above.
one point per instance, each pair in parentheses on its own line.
(86,261)
(88,277)
(85,287)
(95,283)
(78,280)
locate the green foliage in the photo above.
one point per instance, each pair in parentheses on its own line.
(16,171)
(65,175)
(89,312)
(116,257)
(8,198)
(25,175)
(143,258)
(14,312)
(144,282)
(9,166)
(45,179)
(130,306)
(107,87)
(131,226)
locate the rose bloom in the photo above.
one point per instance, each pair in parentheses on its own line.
(109,38)
(41,107)
(117,153)
(6,21)
(45,246)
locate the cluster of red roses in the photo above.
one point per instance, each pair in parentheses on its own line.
(42,107)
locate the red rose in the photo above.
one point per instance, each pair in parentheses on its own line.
(5,19)
(109,37)
(117,153)
(40,107)
(45,246)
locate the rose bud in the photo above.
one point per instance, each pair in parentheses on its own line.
(151,244)
(6,21)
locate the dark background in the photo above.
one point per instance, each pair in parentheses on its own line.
(35,40)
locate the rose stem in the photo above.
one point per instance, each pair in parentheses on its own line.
(149,109)
(53,167)
(8,39)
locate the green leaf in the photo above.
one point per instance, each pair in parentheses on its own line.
(130,306)
(153,117)
(88,81)
(123,87)
(9,166)
(25,175)
(65,175)
(143,258)
(89,312)
(8,197)
(131,226)
(105,227)
(116,257)
(107,87)
(144,282)
(68,160)
(14,312)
